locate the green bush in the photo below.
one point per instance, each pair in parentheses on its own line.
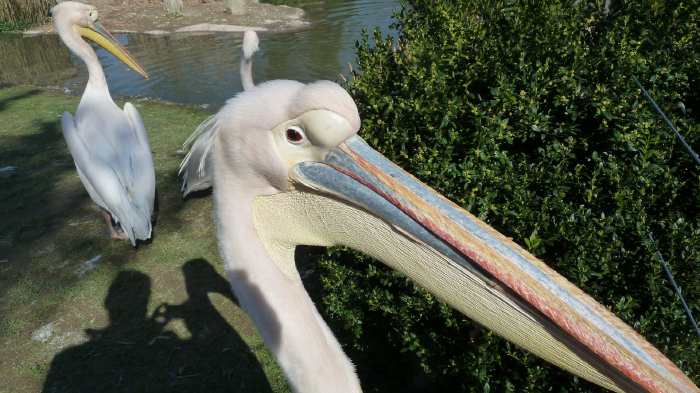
(526,114)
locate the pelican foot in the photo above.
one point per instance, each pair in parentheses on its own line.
(115,231)
(117,234)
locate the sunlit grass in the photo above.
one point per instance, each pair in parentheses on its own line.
(200,341)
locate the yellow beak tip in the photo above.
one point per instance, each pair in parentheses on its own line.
(106,41)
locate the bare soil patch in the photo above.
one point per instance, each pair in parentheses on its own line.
(150,16)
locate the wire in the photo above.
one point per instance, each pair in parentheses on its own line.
(667,269)
(668,122)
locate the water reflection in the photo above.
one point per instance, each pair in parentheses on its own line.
(36,59)
(198,69)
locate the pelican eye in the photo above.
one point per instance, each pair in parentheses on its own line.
(295,135)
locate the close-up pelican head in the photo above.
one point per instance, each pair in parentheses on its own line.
(289,169)
(73,20)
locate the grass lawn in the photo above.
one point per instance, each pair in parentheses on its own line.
(82,312)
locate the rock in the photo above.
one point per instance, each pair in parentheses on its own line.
(88,265)
(156,32)
(213,27)
(60,341)
(7,171)
(44,333)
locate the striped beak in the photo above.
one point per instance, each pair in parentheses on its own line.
(99,35)
(530,304)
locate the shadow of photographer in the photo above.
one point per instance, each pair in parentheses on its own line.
(135,353)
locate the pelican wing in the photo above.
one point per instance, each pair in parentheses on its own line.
(195,168)
(80,155)
(103,181)
(143,172)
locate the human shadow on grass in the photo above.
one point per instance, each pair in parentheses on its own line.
(135,353)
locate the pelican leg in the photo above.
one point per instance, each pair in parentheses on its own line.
(114,233)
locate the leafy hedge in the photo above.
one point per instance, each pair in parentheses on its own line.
(526,114)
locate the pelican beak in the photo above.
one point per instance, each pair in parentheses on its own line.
(355,173)
(103,38)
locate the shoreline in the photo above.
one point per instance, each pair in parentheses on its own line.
(197,17)
(196,28)
(118,98)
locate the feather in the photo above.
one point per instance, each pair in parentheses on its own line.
(195,167)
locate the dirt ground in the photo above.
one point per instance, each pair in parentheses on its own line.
(150,16)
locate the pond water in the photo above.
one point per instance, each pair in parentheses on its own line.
(203,68)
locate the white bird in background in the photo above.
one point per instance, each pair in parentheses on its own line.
(197,177)
(109,145)
(288,169)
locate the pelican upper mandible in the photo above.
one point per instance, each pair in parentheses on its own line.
(109,145)
(288,169)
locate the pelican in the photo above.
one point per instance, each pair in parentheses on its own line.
(288,169)
(197,177)
(109,145)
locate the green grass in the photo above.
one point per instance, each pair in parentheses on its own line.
(109,330)
(13,26)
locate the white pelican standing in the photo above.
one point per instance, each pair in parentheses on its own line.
(109,145)
(289,169)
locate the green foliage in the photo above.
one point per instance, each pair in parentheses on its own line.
(526,114)
(13,26)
